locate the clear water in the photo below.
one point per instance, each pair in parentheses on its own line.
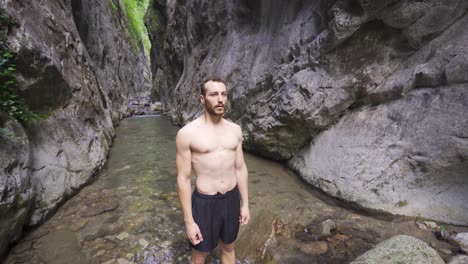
(136,194)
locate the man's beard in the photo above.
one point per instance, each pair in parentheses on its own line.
(212,111)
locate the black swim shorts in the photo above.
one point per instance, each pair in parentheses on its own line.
(217,216)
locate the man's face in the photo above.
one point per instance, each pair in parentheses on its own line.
(215,98)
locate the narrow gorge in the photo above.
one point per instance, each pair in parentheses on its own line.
(365,102)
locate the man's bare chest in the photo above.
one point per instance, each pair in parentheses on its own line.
(208,142)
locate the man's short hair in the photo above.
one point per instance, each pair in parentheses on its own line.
(214,78)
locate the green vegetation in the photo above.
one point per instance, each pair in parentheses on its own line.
(154,26)
(135,11)
(113,6)
(10,102)
(402,203)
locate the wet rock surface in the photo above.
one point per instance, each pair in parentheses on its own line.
(16,191)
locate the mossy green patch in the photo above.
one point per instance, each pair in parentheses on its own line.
(402,203)
(135,11)
(154,25)
(113,6)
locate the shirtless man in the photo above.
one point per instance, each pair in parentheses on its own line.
(219,203)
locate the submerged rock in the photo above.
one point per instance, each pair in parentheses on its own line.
(400,249)
(314,248)
(122,236)
(143,242)
(100,207)
(61,246)
(327,226)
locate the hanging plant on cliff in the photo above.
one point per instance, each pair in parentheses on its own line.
(11,104)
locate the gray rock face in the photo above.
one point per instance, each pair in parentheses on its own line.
(16,192)
(122,70)
(400,249)
(365,98)
(74,61)
(397,155)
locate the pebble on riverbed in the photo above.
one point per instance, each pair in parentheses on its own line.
(432,225)
(326,227)
(421,226)
(122,236)
(143,243)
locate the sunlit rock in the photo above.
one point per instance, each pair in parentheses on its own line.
(403,249)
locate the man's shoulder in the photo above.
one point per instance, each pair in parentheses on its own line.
(235,127)
(230,123)
(188,129)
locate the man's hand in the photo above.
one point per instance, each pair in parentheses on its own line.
(193,233)
(244,215)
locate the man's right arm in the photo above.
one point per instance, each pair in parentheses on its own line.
(184,168)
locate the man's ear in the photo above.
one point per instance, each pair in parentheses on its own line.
(202,99)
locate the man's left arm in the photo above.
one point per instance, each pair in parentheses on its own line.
(242,181)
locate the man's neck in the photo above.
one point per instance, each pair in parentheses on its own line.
(212,119)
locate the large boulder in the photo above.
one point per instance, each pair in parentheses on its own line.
(406,157)
(400,249)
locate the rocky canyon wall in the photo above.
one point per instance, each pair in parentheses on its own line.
(366,100)
(74,63)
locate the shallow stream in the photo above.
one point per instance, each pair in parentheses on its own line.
(131,214)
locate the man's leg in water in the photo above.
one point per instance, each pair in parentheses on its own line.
(198,257)
(227,253)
